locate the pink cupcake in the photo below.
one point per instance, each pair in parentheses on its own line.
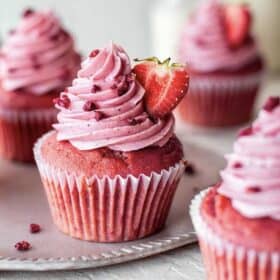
(38,60)
(238,221)
(224,63)
(109,170)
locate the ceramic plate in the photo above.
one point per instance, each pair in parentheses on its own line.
(22,201)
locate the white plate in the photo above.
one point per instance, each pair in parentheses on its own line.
(22,201)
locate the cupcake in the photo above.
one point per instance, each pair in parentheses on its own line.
(38,60)
(110,169)
(238,220)
(224,63)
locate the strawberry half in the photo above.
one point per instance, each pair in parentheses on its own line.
(165,84)
(237,22)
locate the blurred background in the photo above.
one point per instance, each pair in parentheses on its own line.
(92,22)
(143,27)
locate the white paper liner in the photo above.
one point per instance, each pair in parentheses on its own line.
(220,100)
(11,115)
(106,209)
(19,129)
(226,260)
(224,84)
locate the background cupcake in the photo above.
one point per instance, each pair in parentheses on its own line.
(224,63)
(37,61)
(238,221)
(111,169)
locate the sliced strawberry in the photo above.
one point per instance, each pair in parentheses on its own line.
(165,84)
(237,22)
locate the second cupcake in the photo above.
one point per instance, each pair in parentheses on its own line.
(37,61)
(110,170)
(225,65)
(238,220)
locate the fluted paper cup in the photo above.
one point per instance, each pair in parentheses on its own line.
(19,130)
(225,260)
(108,209)
(220,100)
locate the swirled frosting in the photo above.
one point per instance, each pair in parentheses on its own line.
(252,176)
(104,107)
(38,56)
(203,44)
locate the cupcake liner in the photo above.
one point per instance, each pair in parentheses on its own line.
(20,129)
(226,260)
(220,100)
(108,209)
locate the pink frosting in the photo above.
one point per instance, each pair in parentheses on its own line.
(38,56)
(104,107)
(252,176)
(204,47)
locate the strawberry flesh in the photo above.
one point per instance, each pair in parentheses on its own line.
(165,85)
(237,24)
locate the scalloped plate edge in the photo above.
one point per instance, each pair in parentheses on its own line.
(127,253)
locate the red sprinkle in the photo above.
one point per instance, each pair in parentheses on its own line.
(66,75)
(245,131)
(200,42)
(12,70)
(253,189)
(63,101)
(64,32)
(123,89)
(94,53)
(130,77)
(20,89)
(23,246)
(54,37)
(271,103)
(190,169)
(237,165)
(114,86)
(12,31)
(37,66)
(95,89)
(28,12)
(99,116)
(89,106)
(153,119)
(134,121)
(34,228)
(118,79)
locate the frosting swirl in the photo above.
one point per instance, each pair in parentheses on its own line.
(252,176)
(38,56)
(204,46)
(104,107)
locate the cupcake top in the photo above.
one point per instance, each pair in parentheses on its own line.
(104,107)
(38,56)
(251,179)
(217,37)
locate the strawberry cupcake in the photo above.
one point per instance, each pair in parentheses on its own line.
(38,60)
(224,63)
(238,221)
(110,169)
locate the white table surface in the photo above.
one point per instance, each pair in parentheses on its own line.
(180,264)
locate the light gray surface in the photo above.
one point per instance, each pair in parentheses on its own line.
(182,264)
